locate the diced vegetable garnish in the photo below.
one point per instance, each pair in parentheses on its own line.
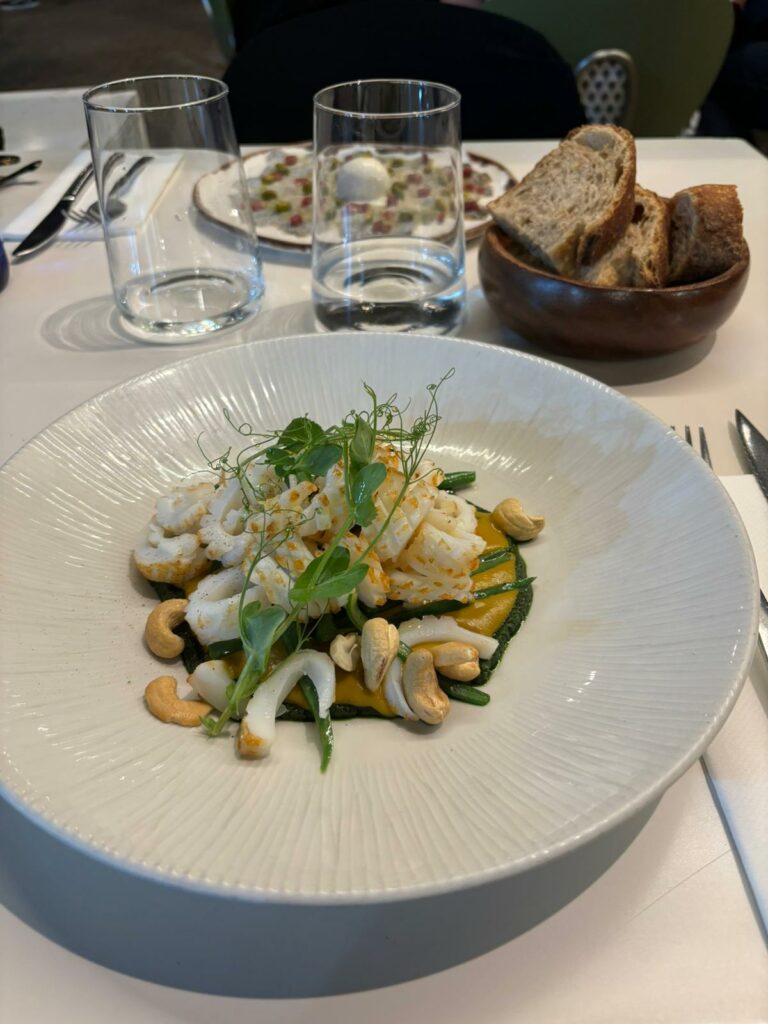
(419,194)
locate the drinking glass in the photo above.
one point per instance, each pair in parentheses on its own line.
(182,250)
(388,246)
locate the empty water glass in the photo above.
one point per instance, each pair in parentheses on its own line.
(182,249)
(388,246)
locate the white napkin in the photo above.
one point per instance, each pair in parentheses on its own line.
(154,178)
(737,759)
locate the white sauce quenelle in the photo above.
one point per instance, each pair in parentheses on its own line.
(362,180)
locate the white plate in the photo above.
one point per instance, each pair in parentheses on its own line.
(642,628)
(213,195)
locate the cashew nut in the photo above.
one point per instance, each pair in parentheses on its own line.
(164,703)
(510,517)
(457,661)
(158,632)
(378,648)
(422,690)
(345,651)
(442,628)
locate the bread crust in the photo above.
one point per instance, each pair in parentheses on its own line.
(605,231)
(640,259)
(706,236)
(584,243)
(657,274)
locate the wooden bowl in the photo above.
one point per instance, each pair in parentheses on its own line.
(588,320)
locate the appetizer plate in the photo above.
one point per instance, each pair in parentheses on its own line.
(213,194)
(641,632)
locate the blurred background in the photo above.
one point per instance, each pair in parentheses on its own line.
(525,68)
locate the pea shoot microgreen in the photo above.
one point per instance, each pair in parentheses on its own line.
(304,451)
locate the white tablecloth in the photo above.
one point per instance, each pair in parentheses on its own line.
(666,933)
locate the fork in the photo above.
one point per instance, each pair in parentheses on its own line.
(114,206)
(704,452)
(703,446)
(85,216)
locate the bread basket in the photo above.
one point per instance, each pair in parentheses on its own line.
(579,319)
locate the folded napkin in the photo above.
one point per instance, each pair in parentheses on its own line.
(143,193)
(737,759)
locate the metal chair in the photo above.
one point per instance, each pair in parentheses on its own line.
(607,84)
(677,48)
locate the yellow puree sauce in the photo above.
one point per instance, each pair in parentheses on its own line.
(481,616)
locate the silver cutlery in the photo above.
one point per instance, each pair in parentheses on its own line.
(26,169)
(755,449)
(53,222)
(110,163)
(114,206)
(704,452)
(756,439)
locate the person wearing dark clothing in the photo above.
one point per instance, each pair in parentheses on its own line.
(513,84)
(738,101)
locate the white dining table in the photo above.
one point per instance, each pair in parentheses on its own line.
(656,924)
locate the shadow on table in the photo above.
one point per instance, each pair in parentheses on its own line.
(94,325)
(175,936)
(481,322)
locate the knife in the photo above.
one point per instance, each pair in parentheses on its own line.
(22,170)
(53,222)
(756,451)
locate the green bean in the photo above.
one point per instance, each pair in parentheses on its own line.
(464,693)
(499,558)
(221,648)
(502,588)
(354,612)
(399,615)
(457,481)
(491,553)
(324,725)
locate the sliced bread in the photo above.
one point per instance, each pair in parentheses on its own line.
(640,259)
(706,232)
(576,202)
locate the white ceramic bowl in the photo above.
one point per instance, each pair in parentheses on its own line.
(642,629)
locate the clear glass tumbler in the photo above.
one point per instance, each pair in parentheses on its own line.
(388,248)
(182,249)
